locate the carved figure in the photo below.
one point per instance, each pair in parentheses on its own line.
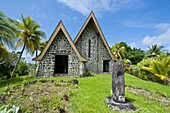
(118,83)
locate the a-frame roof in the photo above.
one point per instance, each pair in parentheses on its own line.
(59,27)
(93,18)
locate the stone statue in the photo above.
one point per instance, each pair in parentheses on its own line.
(118,83)
(117,100)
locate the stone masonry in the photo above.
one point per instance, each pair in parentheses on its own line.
(89,51)
(98,50)
(60,46)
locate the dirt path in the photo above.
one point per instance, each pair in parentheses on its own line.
(146,93)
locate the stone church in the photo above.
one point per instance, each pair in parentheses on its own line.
(89,50)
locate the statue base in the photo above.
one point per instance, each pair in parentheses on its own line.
(122,106)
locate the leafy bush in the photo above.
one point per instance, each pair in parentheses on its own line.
(7,65)
(86,73)
(159,68)
(5,70)
(23,69)
(138,71)
(127,64)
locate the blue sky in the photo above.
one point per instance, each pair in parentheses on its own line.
(139,23)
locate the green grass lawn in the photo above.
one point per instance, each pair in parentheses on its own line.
(91,93)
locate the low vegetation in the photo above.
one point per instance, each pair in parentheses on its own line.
(86,97)
(39,96)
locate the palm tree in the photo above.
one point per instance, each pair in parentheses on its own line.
(7,34)
(4,53)
(154,50)
(29,36)
(40,47)
(118,50)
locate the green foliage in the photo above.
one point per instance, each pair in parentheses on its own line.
(123,51)
(160,68)
(151,86)
(7,65)
(86,73)
(119,50)
(40,97)
(23,69)
(4,52)
(92,92)
(154,50)
(5,70)
(7,109)
(29,36)
(7,35)
(7,30)
(137,70)
(152,69)
(135,55)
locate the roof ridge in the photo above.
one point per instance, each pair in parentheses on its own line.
(59,27)
(92,16)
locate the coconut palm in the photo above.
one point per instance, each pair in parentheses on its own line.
(29,36)
(118,50)
(7,34)
(40,47)
(154,50)
(4,53)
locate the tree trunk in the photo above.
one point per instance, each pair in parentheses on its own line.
(36,52)
(18,61)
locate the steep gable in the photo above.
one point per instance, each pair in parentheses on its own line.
(93,21)
(59,27)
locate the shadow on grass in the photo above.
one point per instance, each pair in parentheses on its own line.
(130,99)
(11,81)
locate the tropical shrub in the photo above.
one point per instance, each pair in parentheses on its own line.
(86,73)
(119,51)
(7,65)
(153,69)
(23,69)
(5,69)
(137,70)
(159,68)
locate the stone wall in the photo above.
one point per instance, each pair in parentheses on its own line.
(59,46)
(98,50)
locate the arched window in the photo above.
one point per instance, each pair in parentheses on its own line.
(89,52)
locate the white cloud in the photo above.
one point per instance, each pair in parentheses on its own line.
(162,39)
(137,24)
(162,26)
(65,16)
(148,40)
(133,44)
(142,23)
(85,6)
(167,48)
